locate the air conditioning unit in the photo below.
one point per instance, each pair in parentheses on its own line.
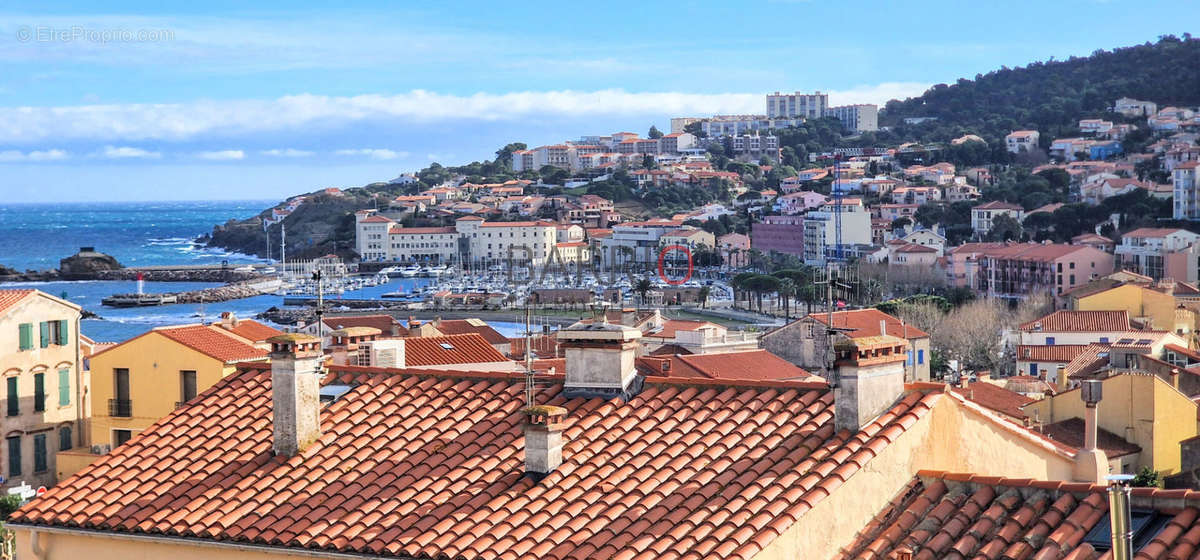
(101,449)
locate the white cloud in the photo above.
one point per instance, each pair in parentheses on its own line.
(222,155)
(288,152)
(126,152)
(9,156)
(373,153)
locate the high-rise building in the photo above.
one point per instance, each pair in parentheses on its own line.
(857,118)
(792,105)
(1187,206)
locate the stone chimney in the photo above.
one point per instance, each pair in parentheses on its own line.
(600,360)
(229,320)
(870,378)
(1091,464)
(1060,378)
(543,439)
(296,372)
(344,343)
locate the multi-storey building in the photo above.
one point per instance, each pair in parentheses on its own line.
(45,389)
(791,105)
(1159,253)
(821,230)
(371,235)
(1187,191)
(755,145)
(782,234)
(856,118)
(636,241)
(1022,141)
(1021,269)
(519,243)
(437,245)
(983,215)
(733,125)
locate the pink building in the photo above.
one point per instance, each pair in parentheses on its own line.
(783,234)
(801,201)
(733,248)
(1021,269)
(962,263)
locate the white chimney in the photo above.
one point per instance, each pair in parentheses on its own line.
(543,439)
(600,359)
(296,372)
(870,378)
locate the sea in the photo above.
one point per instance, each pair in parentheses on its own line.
(37,236)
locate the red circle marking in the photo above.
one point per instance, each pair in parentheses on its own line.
(663,254)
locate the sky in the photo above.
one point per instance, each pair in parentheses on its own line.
(237,100)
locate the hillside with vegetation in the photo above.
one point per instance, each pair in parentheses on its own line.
(1050,96)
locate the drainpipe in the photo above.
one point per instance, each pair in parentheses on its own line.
(1118,515)
(35,542)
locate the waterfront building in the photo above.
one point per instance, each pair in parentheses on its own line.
(781,234)
(46,394)
(432,245)
(521,243)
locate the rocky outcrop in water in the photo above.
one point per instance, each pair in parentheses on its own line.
(87,264)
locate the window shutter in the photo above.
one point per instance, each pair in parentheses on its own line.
(64,387)
(65,441)
(39,392)
(14,456)
(26,330)
(14,407)
(64,336)
(40,464)
(45,332)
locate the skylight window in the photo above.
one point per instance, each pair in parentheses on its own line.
(447,346)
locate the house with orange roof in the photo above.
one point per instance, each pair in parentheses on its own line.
(598,461)
(46,390)
(139,381)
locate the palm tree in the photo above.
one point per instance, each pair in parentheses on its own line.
(643,287)
(703,294)
(787,289)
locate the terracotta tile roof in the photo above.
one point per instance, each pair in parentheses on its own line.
(9,298)
(431,466)
(1147,232)
(752,364)
(251,330)
(946,515)
(385,323)
(997,205)
(1091,360)
(865,322)
(451,349)
(1070,432)
(212,343)
(1080,321)
(1049,353)
(377,219)
(467,326)
(995,397)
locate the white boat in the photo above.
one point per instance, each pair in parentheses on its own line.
(410,271)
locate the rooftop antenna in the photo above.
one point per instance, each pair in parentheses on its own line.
(320,308)
(283,243)
(528,358)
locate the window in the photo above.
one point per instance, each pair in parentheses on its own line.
(65,441)
(187,386)
(120,406)
(26,336)
(1104,339)
(58,332)
(14,456)
(39,392)
(14,401)
(39,453)
(920,356)
(121,436)
(64,387)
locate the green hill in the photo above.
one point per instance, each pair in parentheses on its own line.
(1051,96)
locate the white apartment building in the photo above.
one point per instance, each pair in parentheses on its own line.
(371,235)
(494,242)
(734,125)
(792,105)
(636,241)
(857,118)
(1187,199)
(434,245)
(1019,141)
(1133,108)
(821,232)
(982,215)
(1158,253)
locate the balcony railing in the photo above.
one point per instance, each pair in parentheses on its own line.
(120,408)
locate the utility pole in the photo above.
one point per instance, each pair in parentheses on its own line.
(283,244)
(320,308)
(528,358)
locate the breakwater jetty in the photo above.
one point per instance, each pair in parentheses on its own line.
(231,291)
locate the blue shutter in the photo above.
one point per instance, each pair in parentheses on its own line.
(44,328)
(26,330)
(65,441)
(64,333)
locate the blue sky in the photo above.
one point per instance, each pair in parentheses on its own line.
(137,101)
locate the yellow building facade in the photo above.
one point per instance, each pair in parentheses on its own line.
(1140,407)
(1158,309)
(45,394)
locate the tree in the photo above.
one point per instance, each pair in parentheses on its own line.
(504,155)
(929,214)
(643,287)
(654,133)
(703,294)
(786,290)
(1004,228)
(695,129)
(648,162)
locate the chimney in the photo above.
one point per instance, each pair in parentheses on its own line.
(1042,375)
(229,320)
(902,553)
(412,322)
(984,376)
(1060,378)
(1120,525)
(543,439)
(295,391)
(345,341)
(1091,464)
(870,378)
(600,360)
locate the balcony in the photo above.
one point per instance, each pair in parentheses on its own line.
(120,408)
